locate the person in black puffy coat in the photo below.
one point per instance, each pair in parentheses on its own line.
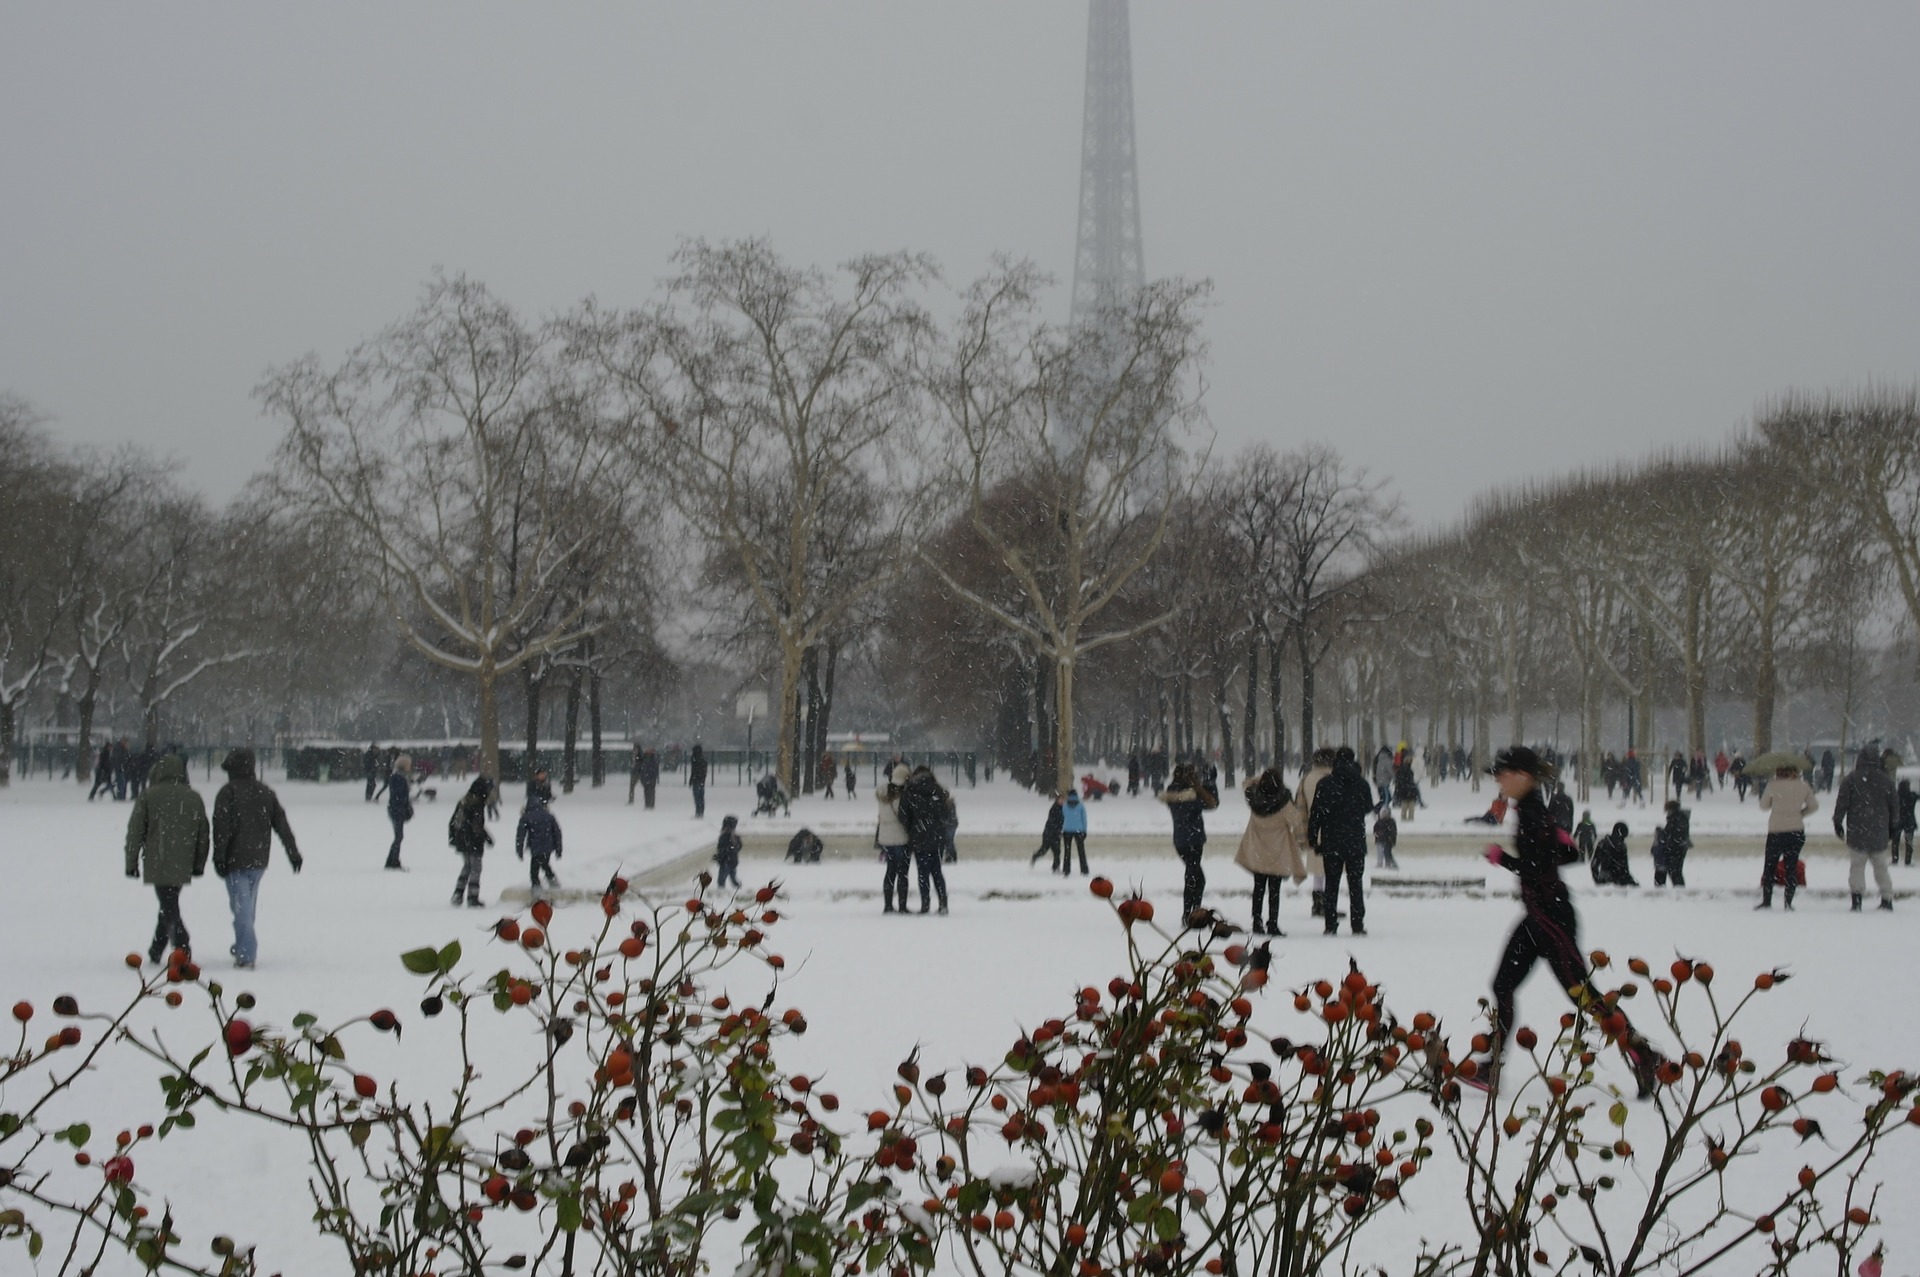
(538,835)
(1337,829)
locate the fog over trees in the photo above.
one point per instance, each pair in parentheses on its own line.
(898,503)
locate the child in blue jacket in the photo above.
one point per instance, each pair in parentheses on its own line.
(1073,832)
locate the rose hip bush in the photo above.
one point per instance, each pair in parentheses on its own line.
(1148,1128)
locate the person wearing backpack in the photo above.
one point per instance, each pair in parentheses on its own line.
(467,835)
(538,835)
(727,852)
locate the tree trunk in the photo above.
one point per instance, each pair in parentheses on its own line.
(1220,695)
(1766,677)
(489,687)
(1275,709)
(1250,731)
(1645,745)
(535,684)
(598,763)
(570,753)
(810,733)
(787,711)
(85,706)
(825,708)
(1696,666)
(1302,649)
(1063,720)
(6,743)
(150,716)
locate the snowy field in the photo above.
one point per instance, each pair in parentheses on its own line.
(1017,944)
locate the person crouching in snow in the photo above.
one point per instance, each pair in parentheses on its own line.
(1271,849)
(1073,832)
(727,854)
(1550,929)
(467,834)
(1609,861)
(538,833)
(1386,833)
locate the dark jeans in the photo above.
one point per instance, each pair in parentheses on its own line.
(1553,934)
(372,784)
(399,835)
(542,867)
(1266,888)
(170,932)
(1193,885)
(1068,842)
(100,783)
(926,860)
(699,800)
(729,869)
(646,793)
(1353,867)
(1782,849)
(897,858)
(1672,864)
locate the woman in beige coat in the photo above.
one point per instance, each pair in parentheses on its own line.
(1271,847)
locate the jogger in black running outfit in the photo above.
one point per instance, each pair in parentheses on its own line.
(1550,930)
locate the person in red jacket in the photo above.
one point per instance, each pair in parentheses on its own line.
(1550,930)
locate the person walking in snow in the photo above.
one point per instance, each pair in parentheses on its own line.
(1406,787)
(829,772)
(1188,801)
(102,773)
(1864,815)
(538,835)
(1549,928)
(1788,802)
(370,765)
(849,776)
(246,816)
(1383,776)
(1271,848)
(399,806)
(1073,832)
(727,853)
(468,836)
(168,843)
(891,837)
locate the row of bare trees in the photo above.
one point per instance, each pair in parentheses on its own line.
(1013,528)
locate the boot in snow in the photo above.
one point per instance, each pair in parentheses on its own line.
(1886,904)
(1856,904)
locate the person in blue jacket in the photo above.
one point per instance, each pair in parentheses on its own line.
(1073,832)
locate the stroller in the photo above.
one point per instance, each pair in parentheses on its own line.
(773,799)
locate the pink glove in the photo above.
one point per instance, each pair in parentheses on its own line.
(1493,854)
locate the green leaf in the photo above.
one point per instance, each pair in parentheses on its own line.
(305,1019)
(567,1214)
(1166,1224)
(331,1048)
(1618,1113)
(448,957)
(421,961)
(77,1135)
(358,1133)
(34,1243)
(183,1119)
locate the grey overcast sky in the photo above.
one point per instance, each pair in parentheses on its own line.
(1463,242)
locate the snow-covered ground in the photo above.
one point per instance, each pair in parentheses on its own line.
(1017,944)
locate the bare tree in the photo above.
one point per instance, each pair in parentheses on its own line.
(454,449)
(762,387)
(35,493)
(1096,424)
(1332,518)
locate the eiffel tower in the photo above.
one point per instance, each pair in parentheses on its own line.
(1107,264)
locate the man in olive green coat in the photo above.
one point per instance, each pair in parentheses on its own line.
(168,834)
